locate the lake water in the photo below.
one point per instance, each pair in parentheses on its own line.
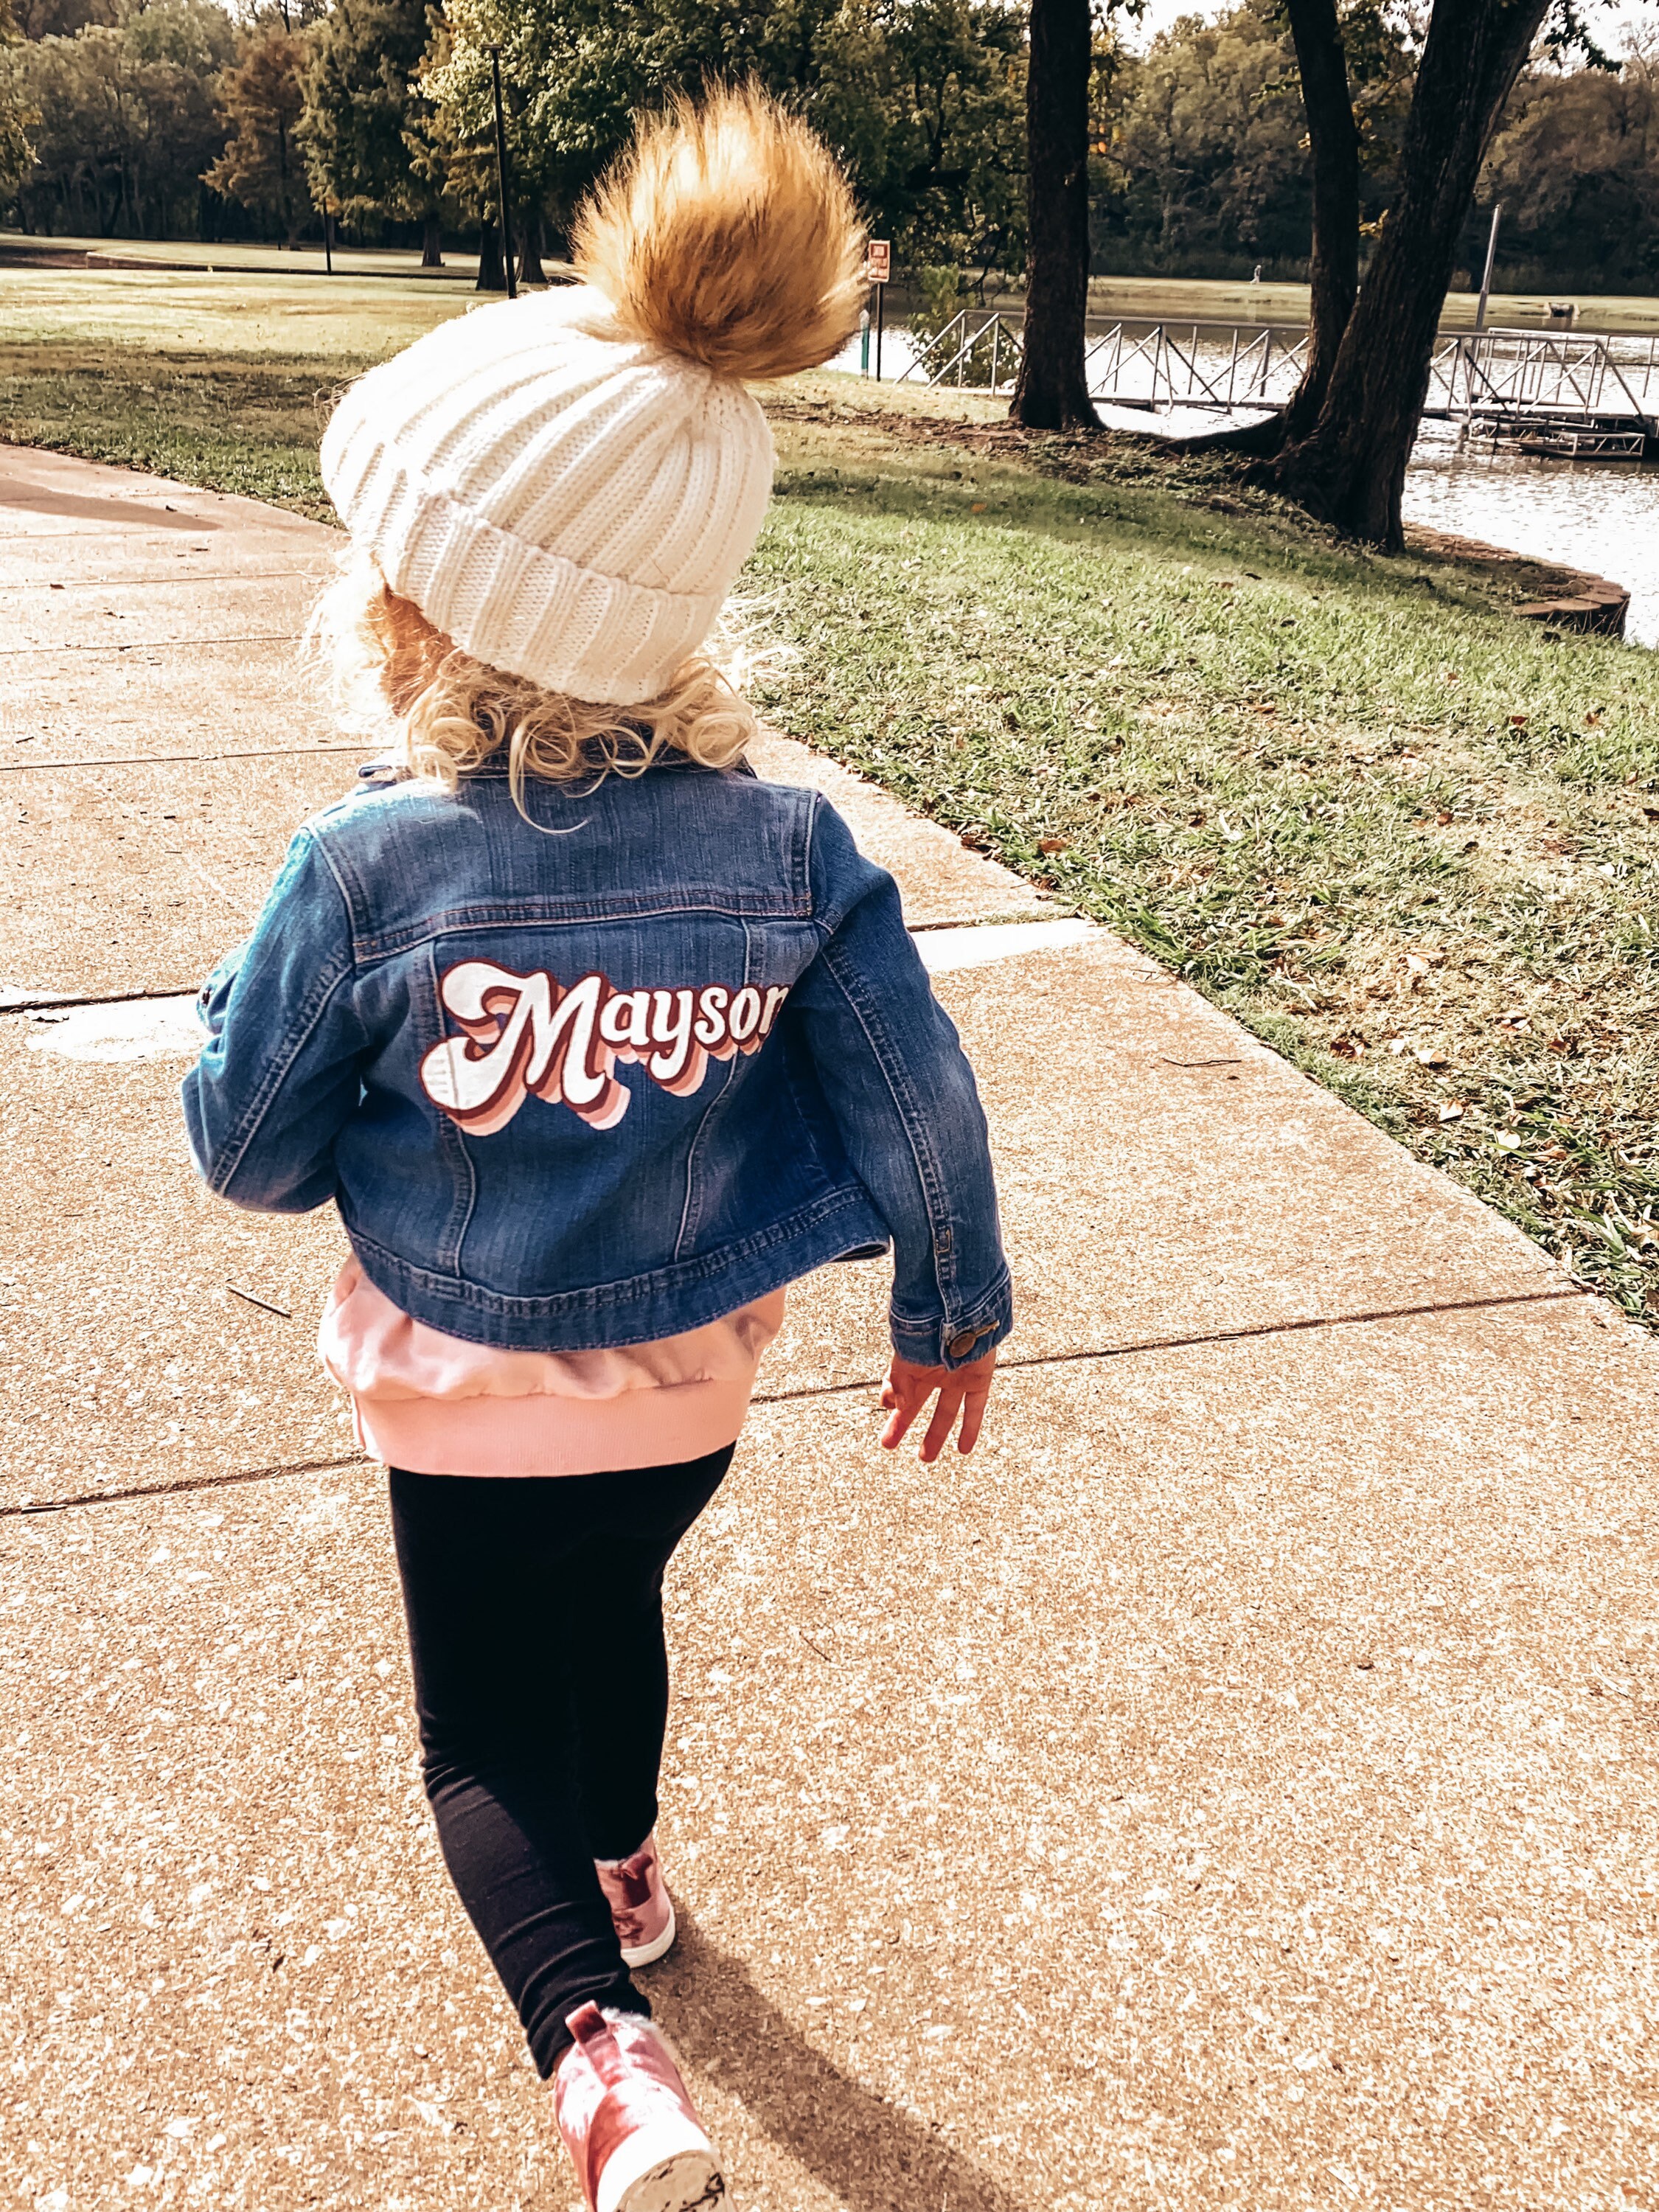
(1600,516)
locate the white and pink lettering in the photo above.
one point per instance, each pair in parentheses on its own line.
(521,1034)
(524,1033)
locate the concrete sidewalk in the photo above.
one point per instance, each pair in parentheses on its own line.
(1234,1785)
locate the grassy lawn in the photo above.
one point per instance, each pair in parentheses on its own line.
(221,381)
(1406,839)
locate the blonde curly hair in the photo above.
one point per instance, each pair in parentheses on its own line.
(442,714)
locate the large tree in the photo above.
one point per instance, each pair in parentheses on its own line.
(262,98)
(1349,468)
(1052,390)
(924,101)
(1333,163)
(18,114)
(125,118)
(365,132)
(922,98)
(1576,163)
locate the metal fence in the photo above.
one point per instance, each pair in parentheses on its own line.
(975,348)
(1535,376)
(1490,376)
(1225,365)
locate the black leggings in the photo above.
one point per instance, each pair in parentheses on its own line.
(541,1678)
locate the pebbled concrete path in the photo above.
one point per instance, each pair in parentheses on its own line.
(1234,1786)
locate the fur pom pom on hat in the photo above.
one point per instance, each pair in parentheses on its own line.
(568,484)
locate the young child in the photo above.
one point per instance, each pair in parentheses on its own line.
(597,1041)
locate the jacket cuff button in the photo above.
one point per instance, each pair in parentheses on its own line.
(960,1347)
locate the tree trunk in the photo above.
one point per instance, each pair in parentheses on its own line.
(1351,468)
(529,227)
(432,242)
(1052,390)
(1333,145)
(492,271)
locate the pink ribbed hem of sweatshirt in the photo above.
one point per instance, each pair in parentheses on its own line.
(437,1404)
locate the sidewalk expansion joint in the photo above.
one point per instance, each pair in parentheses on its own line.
(167,760)
(30,1508)
(194,577)
(57,1002)
(43,1002)
(1211,1337)
(152,645)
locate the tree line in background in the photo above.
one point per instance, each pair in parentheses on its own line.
(176,117)
(159,118)
(1201,159)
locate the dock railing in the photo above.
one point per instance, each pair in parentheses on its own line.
(1541,376)
(1492,379)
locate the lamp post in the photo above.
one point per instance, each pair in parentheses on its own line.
(501,172)
(1486,275)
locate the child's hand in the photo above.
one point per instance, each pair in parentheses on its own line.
(961,1390)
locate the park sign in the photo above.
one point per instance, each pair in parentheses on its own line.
(878,261)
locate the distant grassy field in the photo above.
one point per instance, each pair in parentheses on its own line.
(1151,299)
(1413,842)
(221,379)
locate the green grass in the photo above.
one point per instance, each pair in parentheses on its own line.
(248,426)
(1406,839)
(225,381)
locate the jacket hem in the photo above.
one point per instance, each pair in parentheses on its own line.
(641,1309)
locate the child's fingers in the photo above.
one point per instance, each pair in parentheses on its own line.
(944,1420)
(976,1391)
(907,1390)
(903,1401)
(893,1434)
(973,1417)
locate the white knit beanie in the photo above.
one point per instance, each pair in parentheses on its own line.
(567,485)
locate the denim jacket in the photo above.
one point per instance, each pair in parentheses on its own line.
(596,1079)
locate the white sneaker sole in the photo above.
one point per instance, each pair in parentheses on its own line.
(671,2168)
(646,1955)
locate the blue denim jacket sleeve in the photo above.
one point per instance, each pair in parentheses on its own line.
(892,1069)
(279,1076)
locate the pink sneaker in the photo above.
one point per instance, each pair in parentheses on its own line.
(629,2127)
(639,1904)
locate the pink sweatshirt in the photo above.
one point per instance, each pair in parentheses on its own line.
(436,1405)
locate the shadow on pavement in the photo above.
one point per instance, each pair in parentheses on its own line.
(35,499)
(874,2155)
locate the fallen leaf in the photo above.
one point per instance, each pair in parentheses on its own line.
(978,508)
(1453,1112)
(1053,844)
(1507,1141)
(1518,721)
